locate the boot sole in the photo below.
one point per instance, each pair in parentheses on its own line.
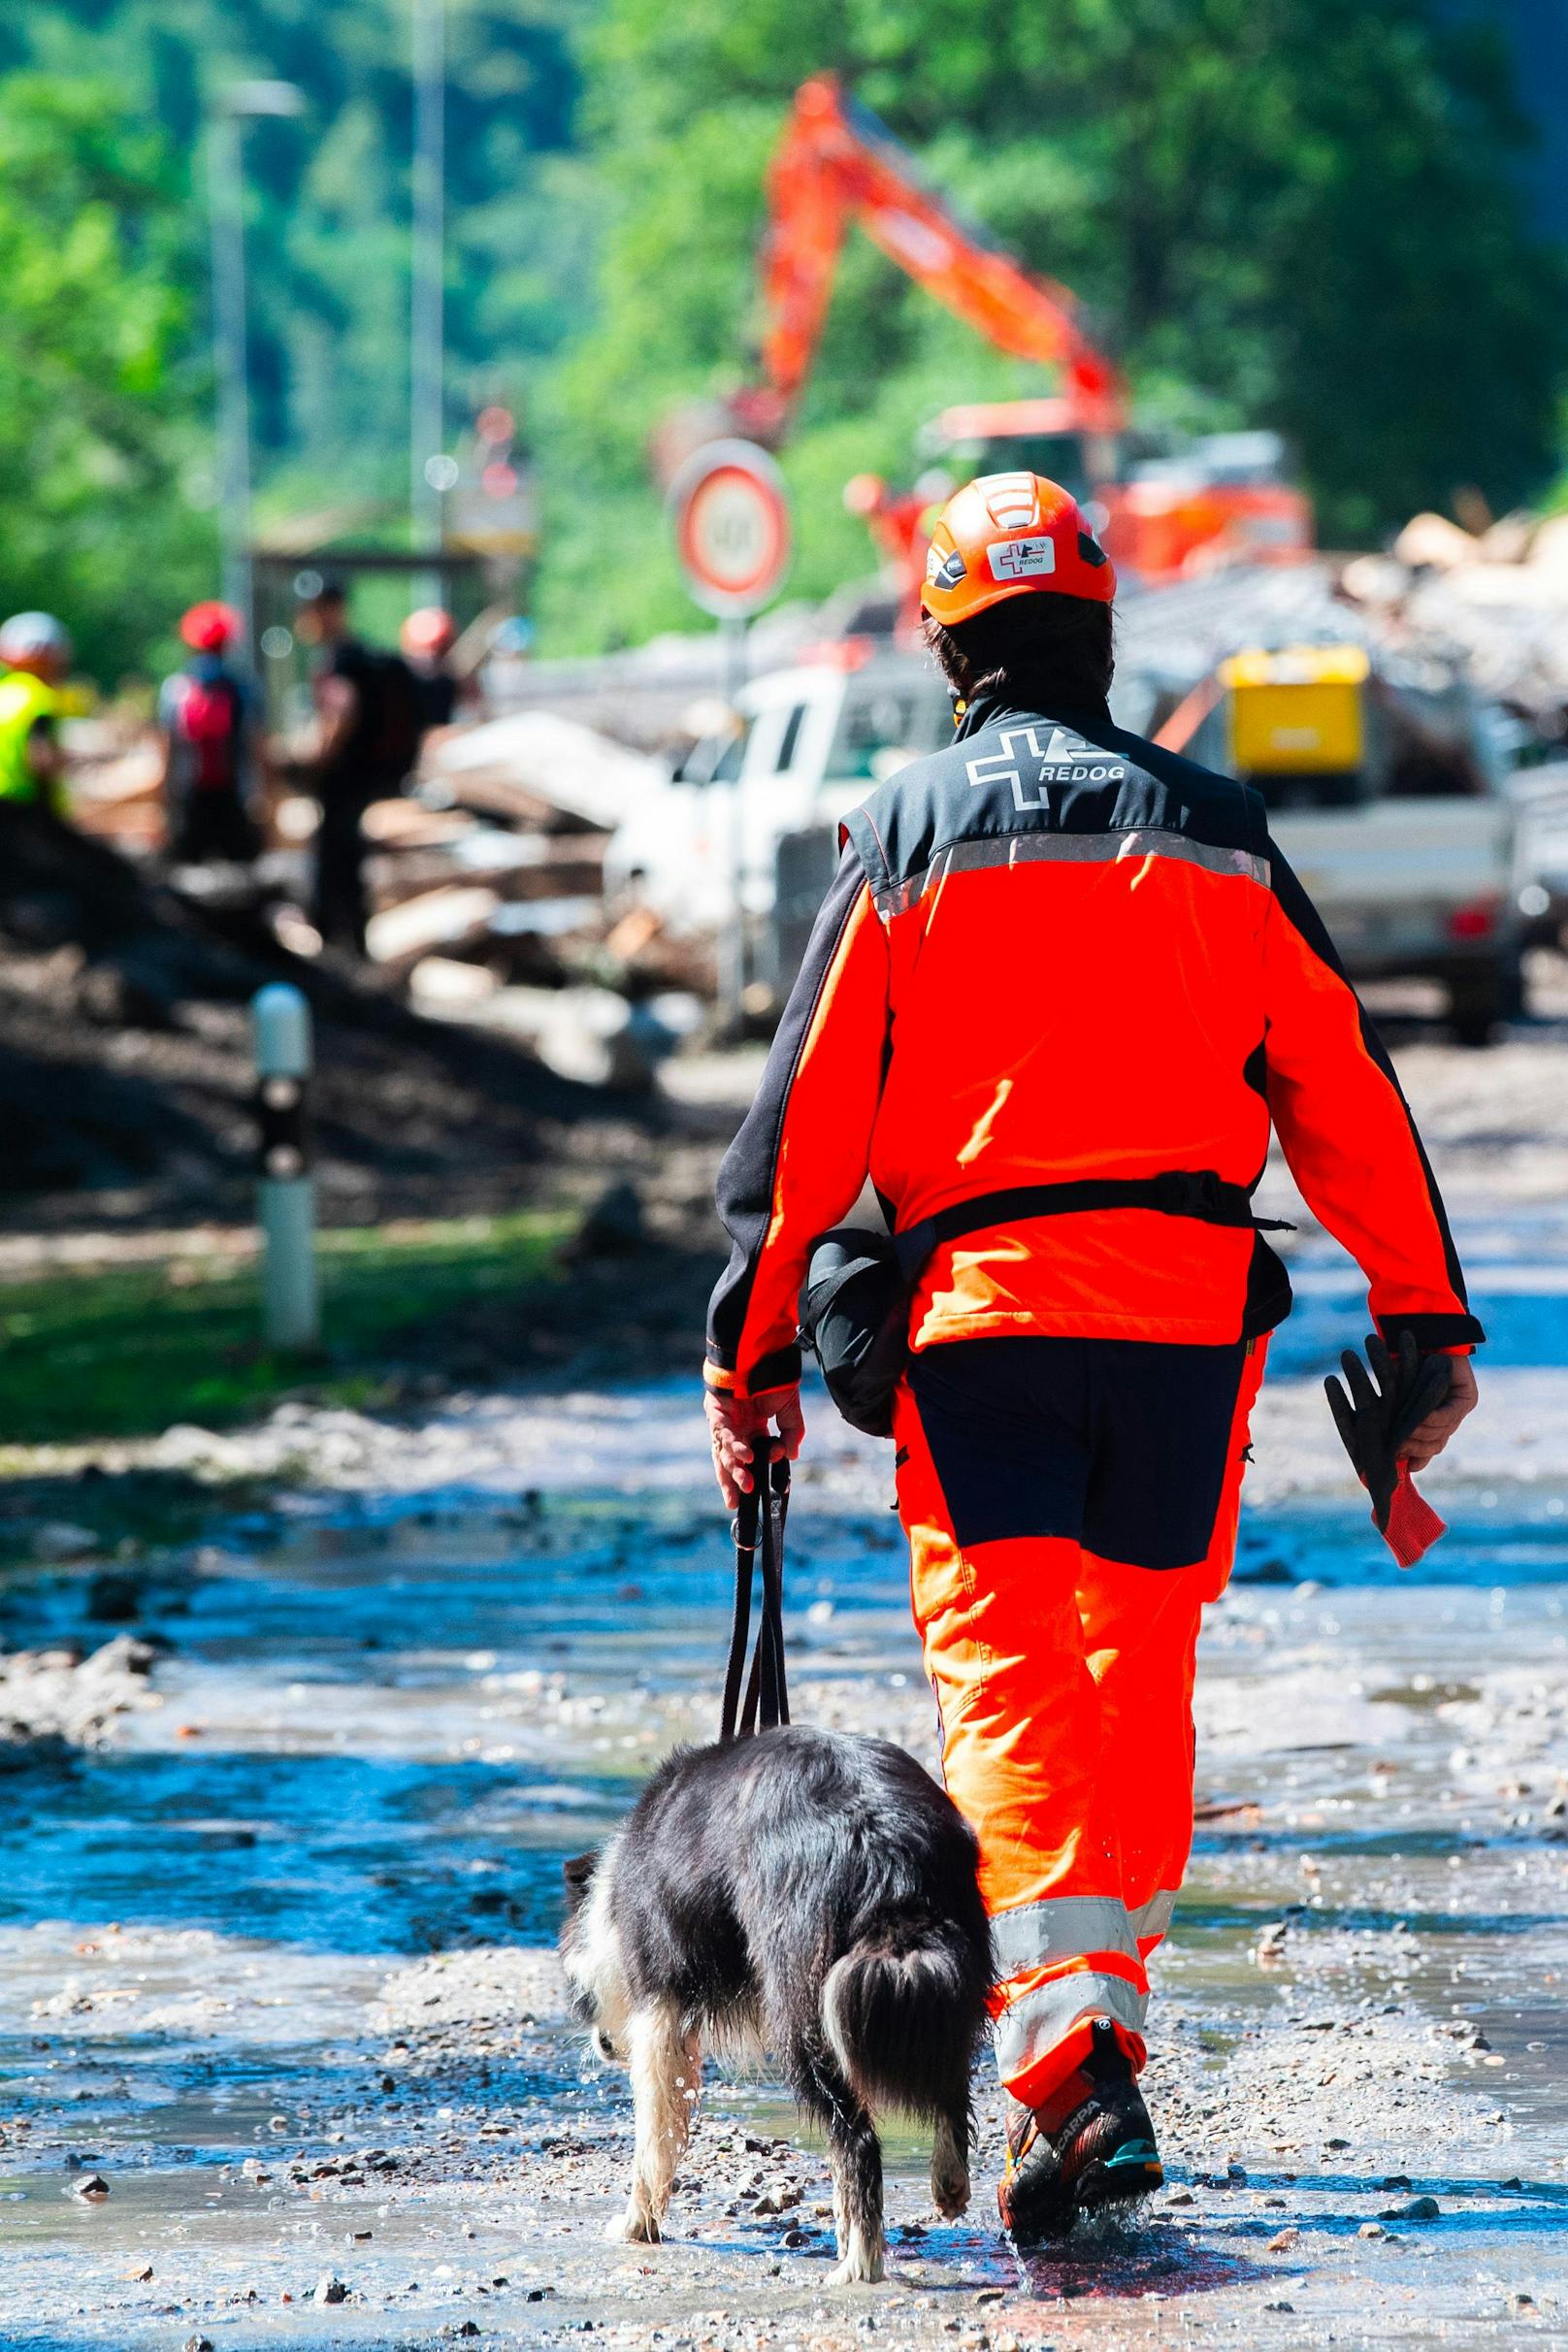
(1123,2179)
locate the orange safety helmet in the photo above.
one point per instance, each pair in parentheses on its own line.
(206,628)
(428,631)
(1011,535)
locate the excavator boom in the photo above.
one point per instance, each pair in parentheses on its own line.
(835,163)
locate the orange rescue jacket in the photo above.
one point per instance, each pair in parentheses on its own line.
(1056,951)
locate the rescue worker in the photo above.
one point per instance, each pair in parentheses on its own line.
(35,658)
(1060,986)
(426,638)
(370,723)
(208,719)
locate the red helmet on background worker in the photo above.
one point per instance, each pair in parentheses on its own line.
(429,631)
(1011,535)
(207,627)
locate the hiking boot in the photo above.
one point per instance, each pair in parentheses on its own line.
(1090,2145)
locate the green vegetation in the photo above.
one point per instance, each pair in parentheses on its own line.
(123,1353)
(99,402)
(106,478)
(328,199)
(1305,213)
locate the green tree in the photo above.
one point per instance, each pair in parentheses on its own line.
(328,202)
(97,408)
(1302,213)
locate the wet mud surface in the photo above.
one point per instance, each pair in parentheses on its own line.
(275,1925)
(283,2045)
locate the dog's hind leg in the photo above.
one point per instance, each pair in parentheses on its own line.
(950,2163)
(855,2154)
(665,2065)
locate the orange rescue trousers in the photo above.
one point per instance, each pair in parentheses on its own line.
(1070,1506)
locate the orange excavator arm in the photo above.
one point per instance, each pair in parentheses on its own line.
(837,163)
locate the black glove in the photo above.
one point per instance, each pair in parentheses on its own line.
(1375,1421)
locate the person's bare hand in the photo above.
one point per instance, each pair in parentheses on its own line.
(737,1423)
(1425,1443)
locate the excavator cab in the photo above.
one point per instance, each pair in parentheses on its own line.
(1021,435)
(1163,512)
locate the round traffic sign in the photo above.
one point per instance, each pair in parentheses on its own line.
(732,520)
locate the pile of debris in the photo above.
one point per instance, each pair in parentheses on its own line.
(643,696)
(125,1065)
(487,881)
(1496,600)
(491,903)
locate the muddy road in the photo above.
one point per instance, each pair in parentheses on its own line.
(284,2055)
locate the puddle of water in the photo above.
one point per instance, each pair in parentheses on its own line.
(1520,1307)
(377,1738)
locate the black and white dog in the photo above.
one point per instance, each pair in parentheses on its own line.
(804,1893)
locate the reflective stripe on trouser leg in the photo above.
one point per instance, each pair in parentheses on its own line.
(1031,2029)
(1152,1920)
(1063,1962)
(1067,1927)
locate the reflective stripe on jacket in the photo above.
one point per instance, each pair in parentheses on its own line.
(1055,951)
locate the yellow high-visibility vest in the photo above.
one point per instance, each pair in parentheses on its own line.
(23,701)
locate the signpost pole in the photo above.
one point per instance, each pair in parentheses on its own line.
(732,974)
(731,521)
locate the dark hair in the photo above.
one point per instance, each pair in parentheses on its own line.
(1036,650)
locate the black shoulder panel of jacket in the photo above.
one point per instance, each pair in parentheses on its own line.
(749,1169)
(1022,771)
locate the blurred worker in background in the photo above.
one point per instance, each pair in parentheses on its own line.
(35,657)
(427,637)
(370,723)
(209,718)
(1063,985)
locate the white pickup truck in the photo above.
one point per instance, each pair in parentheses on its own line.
(1388,796)
(1408,853)
(766,797)
(1419,888)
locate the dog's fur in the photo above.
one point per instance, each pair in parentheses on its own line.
(804,1893)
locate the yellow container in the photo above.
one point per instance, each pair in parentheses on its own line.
(1298,712)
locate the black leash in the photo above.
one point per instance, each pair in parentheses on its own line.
(768,1697)
(759,1535)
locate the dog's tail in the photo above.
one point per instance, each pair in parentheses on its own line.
(902,2017)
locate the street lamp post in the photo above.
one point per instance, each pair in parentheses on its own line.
(238,103)
(427,323)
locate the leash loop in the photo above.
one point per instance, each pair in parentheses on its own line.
(759,1540)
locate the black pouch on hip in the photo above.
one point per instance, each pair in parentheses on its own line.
(855,1301)
(855,1319)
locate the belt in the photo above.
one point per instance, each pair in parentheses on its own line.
(1177,1193)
